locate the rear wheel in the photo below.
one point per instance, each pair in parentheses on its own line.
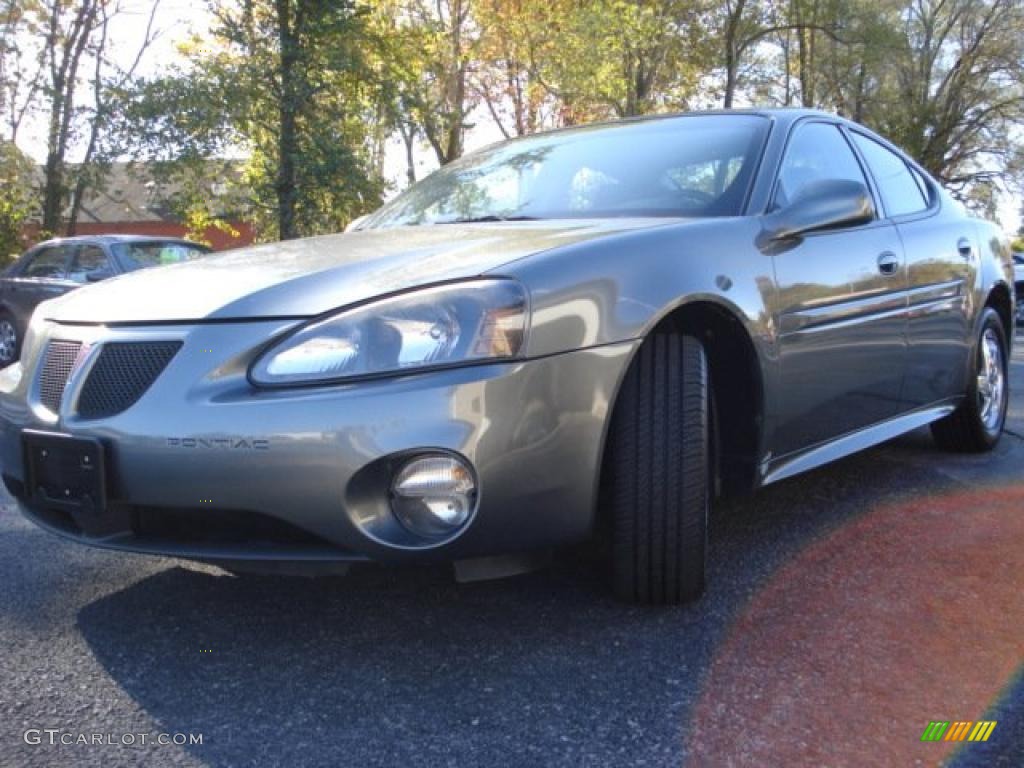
(978,422)
(9,340)
(657,473)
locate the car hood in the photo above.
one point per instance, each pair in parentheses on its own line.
(303,278)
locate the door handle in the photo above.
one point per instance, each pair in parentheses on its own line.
(888,263)
(963,245)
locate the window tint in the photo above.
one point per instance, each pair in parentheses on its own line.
(88,259)
(816,152)
(901,194)
(49,262)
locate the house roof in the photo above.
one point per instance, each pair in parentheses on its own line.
(127,196)
(130,193)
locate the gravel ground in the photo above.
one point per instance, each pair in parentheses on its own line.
(404,667)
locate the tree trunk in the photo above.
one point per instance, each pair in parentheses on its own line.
(63,81)
(731,44)
(730,76)
(285,185)
(53,192)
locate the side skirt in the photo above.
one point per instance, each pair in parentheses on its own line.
(823,453)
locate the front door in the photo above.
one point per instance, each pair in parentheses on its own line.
(840,308)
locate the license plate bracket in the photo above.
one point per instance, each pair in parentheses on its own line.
(65,472)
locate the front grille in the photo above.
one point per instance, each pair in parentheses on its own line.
(122,374)
(58,363)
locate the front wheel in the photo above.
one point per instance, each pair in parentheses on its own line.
(977,423)
(8,340)
(657,473)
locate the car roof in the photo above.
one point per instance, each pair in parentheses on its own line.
(783,115)
(108,239)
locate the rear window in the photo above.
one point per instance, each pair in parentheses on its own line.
(141,255)
(901,192)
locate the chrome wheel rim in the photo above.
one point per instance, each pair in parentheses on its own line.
(991,380)
(8,342)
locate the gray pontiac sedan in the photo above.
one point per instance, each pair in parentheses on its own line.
(593,331)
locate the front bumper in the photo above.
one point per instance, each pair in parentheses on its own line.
(206,466)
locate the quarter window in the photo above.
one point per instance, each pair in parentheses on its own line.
(901,192)
(816,152)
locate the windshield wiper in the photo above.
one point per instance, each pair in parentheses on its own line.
(489,217)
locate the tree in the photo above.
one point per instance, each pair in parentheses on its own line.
(285,82)
(437,41)
(956,88)
(53,64)
(21,64)
(103,145)
(69,28)
(506,79)
(619,58)
(17,198)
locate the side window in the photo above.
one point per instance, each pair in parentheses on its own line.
(88,259)
(49,262)
(816,152)
(922,185)
(901,192)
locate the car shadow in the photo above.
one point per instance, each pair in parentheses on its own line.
(406,667)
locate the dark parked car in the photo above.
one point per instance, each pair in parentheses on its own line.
(590,330)
(55,267)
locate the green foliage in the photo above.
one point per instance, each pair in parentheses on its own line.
(18,199)
(304,95)
(285,84)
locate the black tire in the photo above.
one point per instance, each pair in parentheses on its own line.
(965,430)
(657,473)
(11,356)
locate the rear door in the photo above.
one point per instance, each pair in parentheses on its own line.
(840,309)
(942,257)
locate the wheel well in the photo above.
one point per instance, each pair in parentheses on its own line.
(737,390)
(999,300)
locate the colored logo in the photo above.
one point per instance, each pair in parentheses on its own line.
(938,730)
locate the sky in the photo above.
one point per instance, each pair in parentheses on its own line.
(175,20)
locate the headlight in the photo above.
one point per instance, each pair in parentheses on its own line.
(440,326)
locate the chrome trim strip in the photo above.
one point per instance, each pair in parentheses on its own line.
(861,309)
(926,294)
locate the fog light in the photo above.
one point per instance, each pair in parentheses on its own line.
(433,496)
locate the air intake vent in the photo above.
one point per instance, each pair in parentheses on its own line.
(57,366)
(122,374)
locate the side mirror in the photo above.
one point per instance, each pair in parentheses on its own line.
(98,274)
(822,204)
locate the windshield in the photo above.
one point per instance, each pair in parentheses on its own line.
(153,254)
(698,165)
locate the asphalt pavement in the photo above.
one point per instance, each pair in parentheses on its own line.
(847,609)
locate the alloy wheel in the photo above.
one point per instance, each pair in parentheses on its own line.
(991,380)
(8,342)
